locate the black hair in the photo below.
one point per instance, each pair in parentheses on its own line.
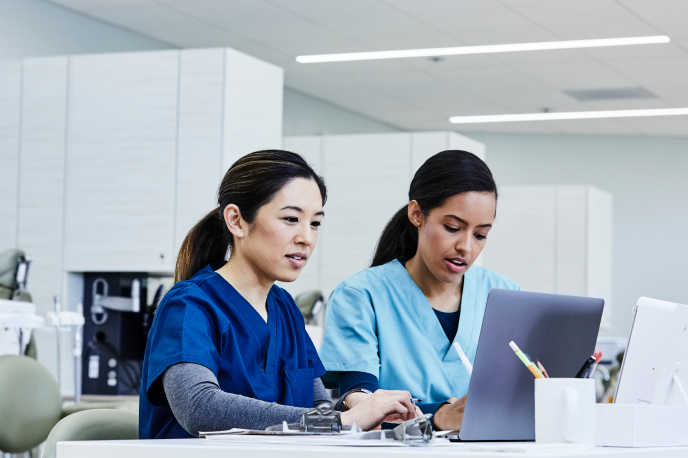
(250,183)
(442,176)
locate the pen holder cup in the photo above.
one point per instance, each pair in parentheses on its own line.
(565,410)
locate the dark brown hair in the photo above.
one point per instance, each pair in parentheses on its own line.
(250,183)
(442,176)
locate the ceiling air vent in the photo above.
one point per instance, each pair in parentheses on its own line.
(615,93)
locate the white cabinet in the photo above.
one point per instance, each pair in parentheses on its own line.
(41,190)
(199,158)
(554,239)
(10,103)
(368,178)
(121,161)
(150,137)
(230,104)
(107,160)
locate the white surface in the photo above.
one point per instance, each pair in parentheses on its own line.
(10,102)
(252,106)
(42,170)
(199,150)
(368,178)
(121,156)
(555,239)
(177,448)
(565,411)
(626,425)
(657,342)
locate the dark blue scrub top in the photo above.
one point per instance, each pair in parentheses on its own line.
(205,321)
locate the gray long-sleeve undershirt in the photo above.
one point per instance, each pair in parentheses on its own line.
(199,404)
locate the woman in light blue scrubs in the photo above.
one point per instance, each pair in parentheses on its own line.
(392,326)
(227,347)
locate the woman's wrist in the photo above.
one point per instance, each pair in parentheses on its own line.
(355,397)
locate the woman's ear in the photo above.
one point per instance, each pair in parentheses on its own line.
(415,215)
(234,222)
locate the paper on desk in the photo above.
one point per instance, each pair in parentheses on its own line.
(346,440)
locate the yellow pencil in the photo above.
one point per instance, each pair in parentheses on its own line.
(528,363)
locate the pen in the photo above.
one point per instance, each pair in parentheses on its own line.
(416,400)
(464,359)
(529,364)
(585,369)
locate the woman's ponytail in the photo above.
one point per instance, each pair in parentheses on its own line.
(250,183)
(443,175)
(399,239)
(205,243)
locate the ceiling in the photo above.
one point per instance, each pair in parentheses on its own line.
(419,94)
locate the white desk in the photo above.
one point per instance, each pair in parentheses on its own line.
(178,448)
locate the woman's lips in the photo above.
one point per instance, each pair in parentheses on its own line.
(457,265)
(297,259)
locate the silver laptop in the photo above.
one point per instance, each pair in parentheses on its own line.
(559,331)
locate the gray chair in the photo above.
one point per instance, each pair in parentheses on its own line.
(30,403)
(92,425)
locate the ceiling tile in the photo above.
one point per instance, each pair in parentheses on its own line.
(142,18)
(474,22)
(582,19)
(89,5)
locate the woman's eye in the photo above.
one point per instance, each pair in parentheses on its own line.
(291,219)
(451,229)
(316,224)
(480,237)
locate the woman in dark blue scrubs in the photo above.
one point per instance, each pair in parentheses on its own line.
(228,348)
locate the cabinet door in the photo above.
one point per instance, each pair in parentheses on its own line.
(41,191)
(199,161)
(253,106)
(572,240)
(522,243)
(367,179)
(121,162)
(10,96)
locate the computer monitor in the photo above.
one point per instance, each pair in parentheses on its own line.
(559,331)
(655,366)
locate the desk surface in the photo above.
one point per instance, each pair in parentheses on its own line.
(177,448)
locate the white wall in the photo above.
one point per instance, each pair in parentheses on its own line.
(306,115)
(648,179)
(37,28)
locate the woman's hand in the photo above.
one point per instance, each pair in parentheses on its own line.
(383,405)
(449,416)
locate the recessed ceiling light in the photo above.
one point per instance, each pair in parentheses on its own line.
(568,115)
(486,49)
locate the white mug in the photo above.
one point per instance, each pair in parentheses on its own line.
(565,410)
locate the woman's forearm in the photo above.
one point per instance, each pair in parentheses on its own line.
(199,404)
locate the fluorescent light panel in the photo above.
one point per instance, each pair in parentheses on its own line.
(569,115)
(487,49)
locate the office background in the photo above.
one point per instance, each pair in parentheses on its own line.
(642,163)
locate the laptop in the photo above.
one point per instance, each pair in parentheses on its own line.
(559,331)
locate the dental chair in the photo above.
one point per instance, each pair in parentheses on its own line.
(14,269)
(30,403)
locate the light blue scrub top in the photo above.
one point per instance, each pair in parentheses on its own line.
(379,322)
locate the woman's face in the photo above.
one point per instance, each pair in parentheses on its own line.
(452,236)
(282,238)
